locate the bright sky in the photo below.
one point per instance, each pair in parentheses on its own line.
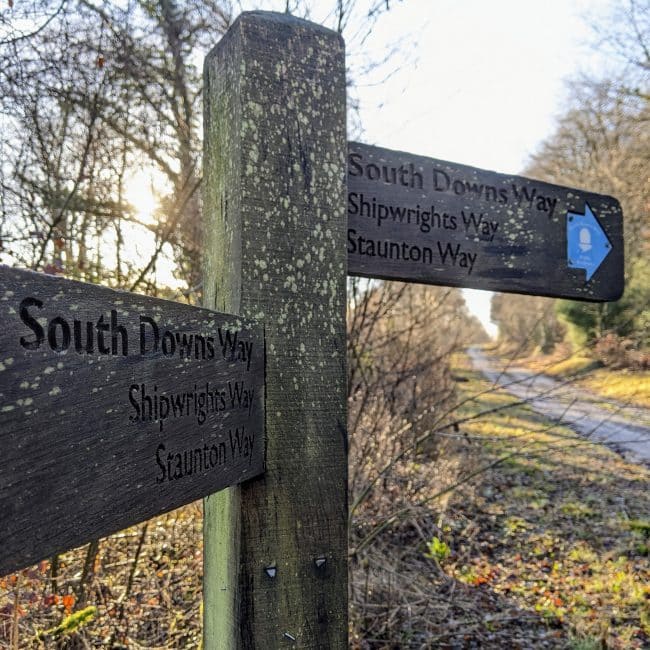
(480,82)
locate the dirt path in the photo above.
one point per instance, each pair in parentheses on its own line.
(623,428)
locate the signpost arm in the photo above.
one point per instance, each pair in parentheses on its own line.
(275,554)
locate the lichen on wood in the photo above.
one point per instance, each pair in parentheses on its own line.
(274,201)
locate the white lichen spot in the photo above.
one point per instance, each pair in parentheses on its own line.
(55,391)
(7,408)
(48,370)
(24,384)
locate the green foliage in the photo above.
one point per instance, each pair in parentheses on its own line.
(637,300)
(576,509)
(71,624)
(437,550)
(515,525)
(640,526)
(627,318)
(585,643)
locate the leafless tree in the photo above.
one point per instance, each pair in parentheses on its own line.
(93,91)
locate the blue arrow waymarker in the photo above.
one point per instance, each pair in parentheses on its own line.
(587,243)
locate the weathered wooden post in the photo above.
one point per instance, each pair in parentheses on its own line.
(275,146)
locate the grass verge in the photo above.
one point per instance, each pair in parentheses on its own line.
(624,386)
(547,547)
(562,526)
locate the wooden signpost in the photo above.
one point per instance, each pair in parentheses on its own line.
(115,408)
(425,220)
(274,203)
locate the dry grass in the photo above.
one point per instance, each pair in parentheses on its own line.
(625,386)
(547,548)
(622,385)
(146,598)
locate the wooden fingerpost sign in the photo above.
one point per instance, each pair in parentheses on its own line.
(114,408)
(276,547)
(421,219)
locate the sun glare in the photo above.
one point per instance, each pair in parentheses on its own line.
(141,193)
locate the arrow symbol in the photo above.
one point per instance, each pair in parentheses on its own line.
(587,243)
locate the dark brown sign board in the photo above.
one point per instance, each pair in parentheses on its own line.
(114,408)
(424,220)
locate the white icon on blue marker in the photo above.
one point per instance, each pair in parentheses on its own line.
(587,243)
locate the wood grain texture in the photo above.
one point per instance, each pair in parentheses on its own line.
(420,219)
(114,408)
(274,188)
